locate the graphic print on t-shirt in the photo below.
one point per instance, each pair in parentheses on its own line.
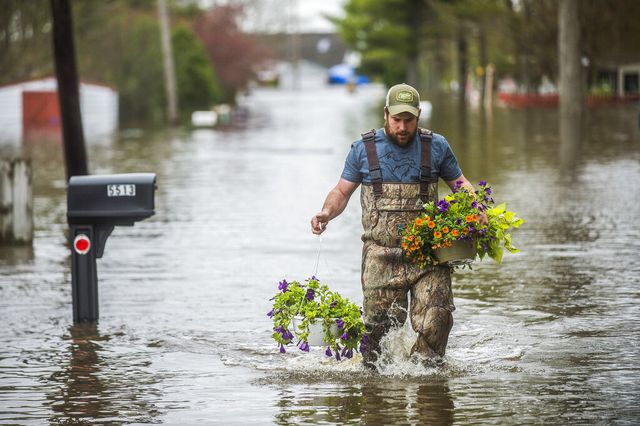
(401,167)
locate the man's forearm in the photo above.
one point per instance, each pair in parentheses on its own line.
(335,203)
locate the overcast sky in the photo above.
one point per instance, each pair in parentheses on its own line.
(311,14)
(286,15)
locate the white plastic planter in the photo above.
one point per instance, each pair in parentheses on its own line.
(316,333)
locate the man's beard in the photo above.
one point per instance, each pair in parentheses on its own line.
(394,137)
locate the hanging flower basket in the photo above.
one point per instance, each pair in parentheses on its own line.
(309,314)
(450,231)
(461,252)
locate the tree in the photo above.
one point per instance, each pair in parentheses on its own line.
(234,54)
(119,44)
(396,38)
(25,40)
(196,81)
(386,34)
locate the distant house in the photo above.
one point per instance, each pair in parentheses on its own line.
(30,109)
(628,79)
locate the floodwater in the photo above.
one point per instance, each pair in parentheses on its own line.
(551,335)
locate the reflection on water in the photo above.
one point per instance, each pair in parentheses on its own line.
(570,135)
(89,386)
(370,402)
(16,255)
(549,336)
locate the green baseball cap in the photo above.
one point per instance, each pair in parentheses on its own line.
(403,98)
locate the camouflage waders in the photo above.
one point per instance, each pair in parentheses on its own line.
(386,276)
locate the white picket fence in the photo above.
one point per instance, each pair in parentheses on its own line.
(16,202)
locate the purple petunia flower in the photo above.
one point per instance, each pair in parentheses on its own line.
(482,183)
(304,346)
(270,314)
(488,190)
(339,323)
(457,185)
(443,206)
(310,294)
(282,350)
(283,285)
(364,344)
(347,353)
(344,336)
(328,351)
(474,204)
(287,335)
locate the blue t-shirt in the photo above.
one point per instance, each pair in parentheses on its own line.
(401,164)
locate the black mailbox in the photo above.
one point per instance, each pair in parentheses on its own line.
(95,205)
(121,199)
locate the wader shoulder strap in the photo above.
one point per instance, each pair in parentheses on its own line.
(426,136)
(369,139)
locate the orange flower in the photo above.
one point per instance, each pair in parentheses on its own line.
(437,234)
(455,233)
(418,222)
(465,231)
(469,218)
(445,230)
(431,224)
(427,218)
(474,217)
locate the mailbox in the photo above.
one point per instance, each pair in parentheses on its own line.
(120,199)
(96,204)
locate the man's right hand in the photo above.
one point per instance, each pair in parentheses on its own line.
(319,222)
(334,205)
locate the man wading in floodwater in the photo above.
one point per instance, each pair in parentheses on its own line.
(398,167)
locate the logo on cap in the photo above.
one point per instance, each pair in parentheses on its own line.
(404,96)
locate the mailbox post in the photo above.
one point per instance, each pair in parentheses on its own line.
(96,204)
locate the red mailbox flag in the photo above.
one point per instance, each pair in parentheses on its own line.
(82,244)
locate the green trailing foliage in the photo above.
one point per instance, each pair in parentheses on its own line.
(311,303)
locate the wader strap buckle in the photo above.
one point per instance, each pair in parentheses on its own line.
(426,137)
(369,139)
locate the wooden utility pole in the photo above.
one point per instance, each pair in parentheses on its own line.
(294,43)
(570,87)
(463,64)
(75,154)
(167,57)
(414,24)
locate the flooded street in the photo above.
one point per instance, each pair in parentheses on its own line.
(552,335)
